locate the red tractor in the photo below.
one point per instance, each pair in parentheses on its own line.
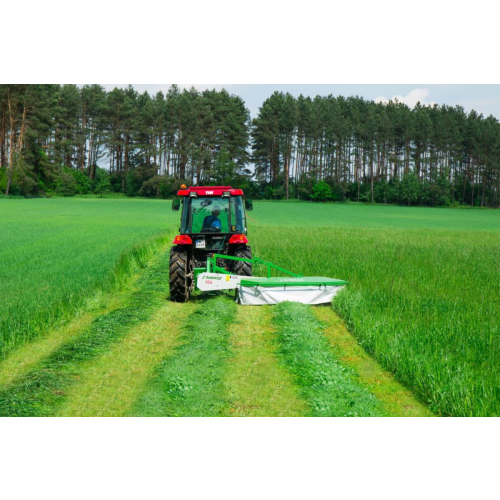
(213,221)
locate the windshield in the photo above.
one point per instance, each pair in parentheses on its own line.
(210,215)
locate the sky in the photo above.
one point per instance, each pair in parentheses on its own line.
(484,99)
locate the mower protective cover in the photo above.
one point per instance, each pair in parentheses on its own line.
(271,291)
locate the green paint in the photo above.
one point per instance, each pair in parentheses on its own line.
(285,282)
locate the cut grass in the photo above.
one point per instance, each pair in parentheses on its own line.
(396,400)
(330,389)
(190,382)
(42,390)
(256,382)
(110,386)
(23,359)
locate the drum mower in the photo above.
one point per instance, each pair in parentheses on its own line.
(213,253)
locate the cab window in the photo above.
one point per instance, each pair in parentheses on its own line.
(237,215)
(210,215)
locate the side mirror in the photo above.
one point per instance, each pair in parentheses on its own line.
(176,204)
(249,205)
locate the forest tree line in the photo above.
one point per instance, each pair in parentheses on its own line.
(66,140)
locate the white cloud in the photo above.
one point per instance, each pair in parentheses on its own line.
(411,99)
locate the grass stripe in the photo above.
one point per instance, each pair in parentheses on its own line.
(24,359)
(256,383)
(190,383)
(330,389)
(110,386)
(41,391)
(396,400)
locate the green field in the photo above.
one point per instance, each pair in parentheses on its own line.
(424,293)
(57,254)
(84,286)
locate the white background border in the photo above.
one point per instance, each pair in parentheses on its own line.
(250,42)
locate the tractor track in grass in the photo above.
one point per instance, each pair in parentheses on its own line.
(258,385)
(110,386)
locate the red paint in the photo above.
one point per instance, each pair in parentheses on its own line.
(210,191)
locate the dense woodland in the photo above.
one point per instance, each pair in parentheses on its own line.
(66,140)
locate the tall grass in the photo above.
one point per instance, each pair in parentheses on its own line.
(58,255)
(425,302)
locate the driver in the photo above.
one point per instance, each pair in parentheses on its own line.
(212,221)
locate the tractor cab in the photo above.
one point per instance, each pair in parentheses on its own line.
(213,221)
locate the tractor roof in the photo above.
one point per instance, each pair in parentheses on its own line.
(210,191)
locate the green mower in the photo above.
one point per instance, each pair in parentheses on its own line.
(213,253)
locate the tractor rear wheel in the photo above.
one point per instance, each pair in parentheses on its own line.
(243,268)
(179,270)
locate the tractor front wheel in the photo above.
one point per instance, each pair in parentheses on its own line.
(179,270)
(243,268)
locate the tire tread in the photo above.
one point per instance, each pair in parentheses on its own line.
(243,268)
(179,270)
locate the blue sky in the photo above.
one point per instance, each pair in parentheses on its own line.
(483,98)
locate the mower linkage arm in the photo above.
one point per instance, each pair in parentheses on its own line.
(212,265)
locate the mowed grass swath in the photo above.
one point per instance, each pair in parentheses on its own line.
(424,301)
(57,255)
